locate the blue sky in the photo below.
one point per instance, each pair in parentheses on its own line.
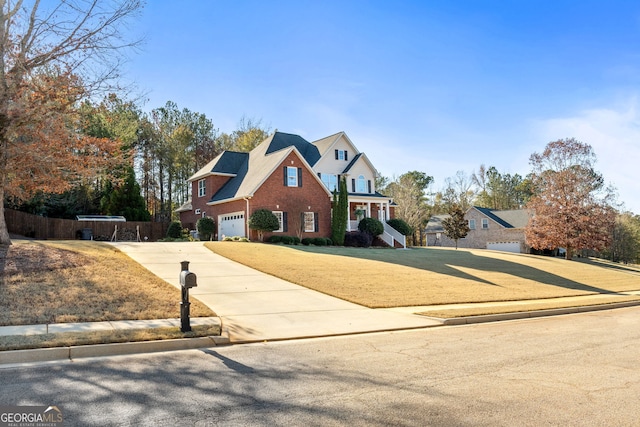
(434,86)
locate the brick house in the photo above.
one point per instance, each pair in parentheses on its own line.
(489,229)
(294,179)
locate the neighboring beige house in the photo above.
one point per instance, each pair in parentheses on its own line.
(489,229)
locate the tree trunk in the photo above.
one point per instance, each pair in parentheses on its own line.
(4,231)
(568,255)
(4,147)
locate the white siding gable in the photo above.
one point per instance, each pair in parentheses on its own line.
(329,164)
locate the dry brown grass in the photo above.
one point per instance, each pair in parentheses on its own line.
(426,276)
(78,281)
(23,342)
(530,306)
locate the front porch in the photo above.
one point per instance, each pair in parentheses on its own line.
(360,208)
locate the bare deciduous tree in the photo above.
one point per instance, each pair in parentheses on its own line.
(77,45)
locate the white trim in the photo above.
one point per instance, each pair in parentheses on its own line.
(280,216)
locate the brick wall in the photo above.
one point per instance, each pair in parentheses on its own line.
(311,197)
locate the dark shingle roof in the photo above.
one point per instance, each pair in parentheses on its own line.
(282,140)
(230,162)
(494,217)
(230,189)
(352,162)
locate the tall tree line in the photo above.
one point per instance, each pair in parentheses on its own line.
(174,143)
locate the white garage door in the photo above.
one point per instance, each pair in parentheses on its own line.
(230,225)
(504,246)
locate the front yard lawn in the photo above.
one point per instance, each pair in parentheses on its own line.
(81,281)
(379,278)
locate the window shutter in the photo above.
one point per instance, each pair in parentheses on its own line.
(336,154)
(353,185)
(315,222)
(345,155)
(285,176)
(302,222)
(369,185)
(285,225)
(299,177)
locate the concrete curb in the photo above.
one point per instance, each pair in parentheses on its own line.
(532,314)
(40,355)
(21,357)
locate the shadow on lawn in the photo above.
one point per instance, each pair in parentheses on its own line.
(450,262)
(624,268)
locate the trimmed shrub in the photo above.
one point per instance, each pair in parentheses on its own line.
(372,226)
(175,230)
(400,226)
(359,239)
(287,240)
(296,240)
(275,239)
(307,241)
(320,241)
(205,227)
(263,220)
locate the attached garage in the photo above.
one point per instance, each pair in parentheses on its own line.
(504,246)
(230,225)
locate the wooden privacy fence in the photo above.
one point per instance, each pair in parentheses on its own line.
(39,227)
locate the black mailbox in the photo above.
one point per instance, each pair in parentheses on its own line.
(188,279)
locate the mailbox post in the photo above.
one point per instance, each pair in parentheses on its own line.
(187,280)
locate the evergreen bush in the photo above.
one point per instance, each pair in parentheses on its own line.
(359,239)
(205,227)
(175,230)
(275,239)
(371,226)
(400,226)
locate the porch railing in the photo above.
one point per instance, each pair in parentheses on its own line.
(389,236)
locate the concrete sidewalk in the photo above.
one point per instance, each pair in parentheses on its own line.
(254,306)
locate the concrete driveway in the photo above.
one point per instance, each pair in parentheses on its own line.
(255,306)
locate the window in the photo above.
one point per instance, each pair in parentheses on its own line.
(292,176)
(485,223)
(341,155)
(361,184)
(280,216)
(472,224)
(202,188)
(309,222)
(330,181)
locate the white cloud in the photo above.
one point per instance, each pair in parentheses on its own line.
(614,134)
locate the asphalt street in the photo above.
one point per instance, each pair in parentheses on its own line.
(572,370)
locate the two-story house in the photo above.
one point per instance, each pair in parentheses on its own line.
(293,178)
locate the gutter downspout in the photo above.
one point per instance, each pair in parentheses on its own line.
(246,217)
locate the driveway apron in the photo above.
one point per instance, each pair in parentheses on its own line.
(254,306)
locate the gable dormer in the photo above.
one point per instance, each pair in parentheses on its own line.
(340,157)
